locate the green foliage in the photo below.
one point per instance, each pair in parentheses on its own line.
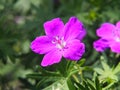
(109,75)
(90,84)
(60,79)
(22,20)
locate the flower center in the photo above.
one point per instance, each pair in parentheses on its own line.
(116,35)
(59,42)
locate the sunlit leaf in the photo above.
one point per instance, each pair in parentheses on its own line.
(99,70)
(105,66)
(59,85)
(117,69)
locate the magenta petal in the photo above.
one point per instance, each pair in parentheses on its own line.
(106,30)
(118,24)
(52,57)
(100,45)
(74,50)
(74,29)
(54,27)
(115,47)
(42,45)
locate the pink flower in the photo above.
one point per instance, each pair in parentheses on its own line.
(60,41)
(109,37)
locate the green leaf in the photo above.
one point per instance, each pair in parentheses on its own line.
(44,81)
(97,84)
(87,68)
(108,86)
(91,84)
(99,71)
(81,62)
(70,85)
(105,66)
(69,65)
(80,86)
(58,85)
(117,69)
(85,84)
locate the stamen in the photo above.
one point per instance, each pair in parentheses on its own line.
(59,42)
(116,35)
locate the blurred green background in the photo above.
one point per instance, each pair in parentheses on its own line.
(22,20)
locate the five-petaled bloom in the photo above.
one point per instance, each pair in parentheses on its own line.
(109,37)
(60,40)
